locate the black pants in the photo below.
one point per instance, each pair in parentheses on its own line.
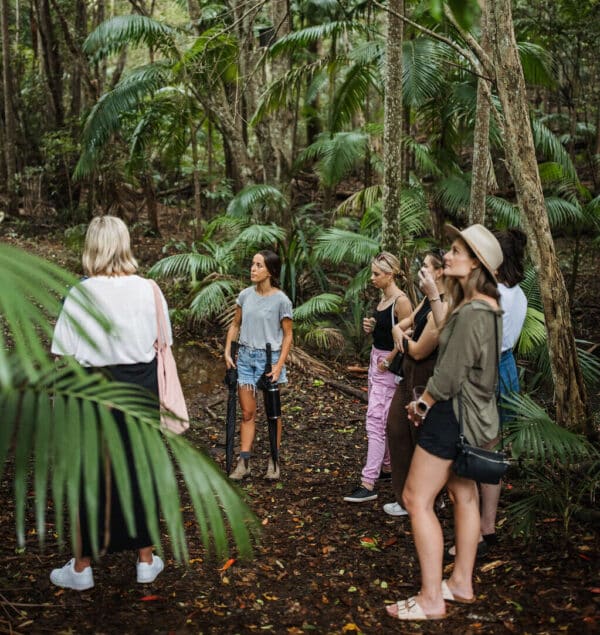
(112,532)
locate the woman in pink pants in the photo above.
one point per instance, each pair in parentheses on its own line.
(382,384)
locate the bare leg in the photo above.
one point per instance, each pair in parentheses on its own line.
(82,563)
(427,475)
(145,555)
(490,495)
(466,527)
(247,398)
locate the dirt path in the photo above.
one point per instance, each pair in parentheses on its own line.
(324,566)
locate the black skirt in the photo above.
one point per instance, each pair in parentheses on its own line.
(113,535)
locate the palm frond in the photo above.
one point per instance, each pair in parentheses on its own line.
(562,212)
(321,304)
(259,236)
(350,97)
(213,296)
(548,145)
(77,430)
(532,434)
(214,53)
(360,201)
(423,65)
(245,203)
(337,153)
(303,38)
(113,35)
(188,265)
(504,213)
(107,115)
(533,333)
(538,64)
(31,294)
(337,245)
(283,92)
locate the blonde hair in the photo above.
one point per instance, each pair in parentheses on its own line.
(107,249)
(387,262)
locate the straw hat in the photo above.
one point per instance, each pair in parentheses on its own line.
(483,243)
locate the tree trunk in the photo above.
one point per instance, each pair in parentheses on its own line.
(52,61)
(150,197)
(196,173)
(391,239)
(481,137)
(80,34)
(569,387)
(10,156)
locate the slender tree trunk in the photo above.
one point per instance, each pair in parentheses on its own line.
(391,239)
(10,132)
(481,137)
(52,60)
(196,173)
(150,196)
(597,151)
(80,34)
(569,387)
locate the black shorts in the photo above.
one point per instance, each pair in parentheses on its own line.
(438,434)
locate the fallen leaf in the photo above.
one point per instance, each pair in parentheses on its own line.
(595,589)
(227,564)
(350,627)
(151,598)
(492,565)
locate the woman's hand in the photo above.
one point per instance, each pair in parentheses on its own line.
(369,324)
(274,374)
(229,363)
(398,335)
(427,284)
(413,415)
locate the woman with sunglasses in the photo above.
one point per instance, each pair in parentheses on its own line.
(382,383)
(416,337)
(465,373)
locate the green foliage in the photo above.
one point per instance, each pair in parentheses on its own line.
(57,421)
(336,153)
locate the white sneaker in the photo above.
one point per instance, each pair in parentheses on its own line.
(68,578)
(394,509)
(147,572)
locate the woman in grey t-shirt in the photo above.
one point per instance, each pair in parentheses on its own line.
(263,314)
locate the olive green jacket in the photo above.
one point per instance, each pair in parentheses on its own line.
(467,362)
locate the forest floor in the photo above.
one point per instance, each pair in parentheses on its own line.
(322,565)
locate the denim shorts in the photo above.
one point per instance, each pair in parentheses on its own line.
(251,365)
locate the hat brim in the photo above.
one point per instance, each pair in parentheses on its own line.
(453,233)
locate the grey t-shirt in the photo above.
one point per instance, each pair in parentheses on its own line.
(261,318)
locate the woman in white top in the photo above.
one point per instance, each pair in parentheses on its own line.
(514,306)
(127,354)
(263,315)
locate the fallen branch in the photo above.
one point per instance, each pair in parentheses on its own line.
(349,390)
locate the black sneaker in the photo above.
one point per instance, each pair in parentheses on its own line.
(384,477)
(361,495)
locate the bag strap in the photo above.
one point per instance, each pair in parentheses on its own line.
(496,389)
(161,325)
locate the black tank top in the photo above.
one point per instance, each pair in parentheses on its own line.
(382,333)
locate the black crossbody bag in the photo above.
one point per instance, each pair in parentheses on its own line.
(478,464)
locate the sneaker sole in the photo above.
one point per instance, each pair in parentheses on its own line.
(364,499)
